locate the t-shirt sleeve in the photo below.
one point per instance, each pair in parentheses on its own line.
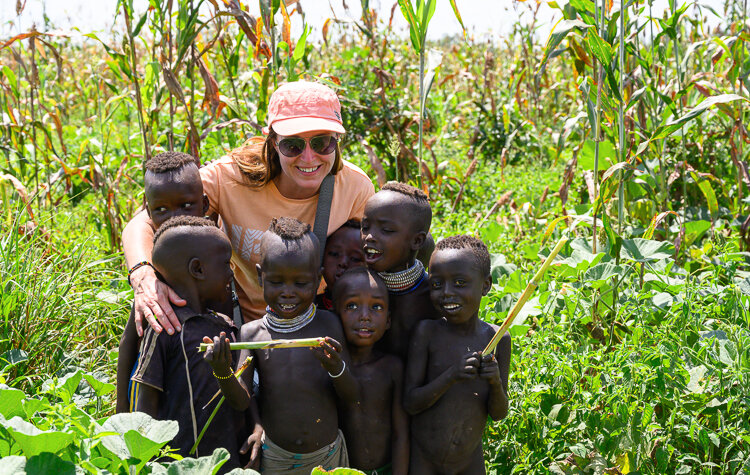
(210,176)
(363,190)
(152,359)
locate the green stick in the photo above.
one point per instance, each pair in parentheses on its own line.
(237,374)
(524,297)
(265,345)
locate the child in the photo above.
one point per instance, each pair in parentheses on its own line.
(172,381)
(450,388)
(376,427)
(298,388)
(343,250)
(394,227)
(173,187)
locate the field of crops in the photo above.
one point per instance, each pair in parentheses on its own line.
(623,130)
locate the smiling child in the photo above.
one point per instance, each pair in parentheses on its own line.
(298,387)
(450,388)
(394,228)
(173,187)
(375,426)
(343,250)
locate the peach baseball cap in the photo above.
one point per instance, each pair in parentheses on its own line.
(302,106)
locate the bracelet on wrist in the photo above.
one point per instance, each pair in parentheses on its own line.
(136,267)
(222,378)
(340,372)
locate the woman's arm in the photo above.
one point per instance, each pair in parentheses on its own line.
(151,296)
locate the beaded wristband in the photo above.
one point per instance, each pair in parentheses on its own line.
(136,267)
(340,373)
(222,378)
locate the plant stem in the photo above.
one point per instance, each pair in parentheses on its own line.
(134,68)
(421,113)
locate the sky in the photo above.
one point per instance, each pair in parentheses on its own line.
(491,19)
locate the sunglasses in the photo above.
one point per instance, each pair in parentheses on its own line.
(294,146)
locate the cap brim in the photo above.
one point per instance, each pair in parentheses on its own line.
(298,125)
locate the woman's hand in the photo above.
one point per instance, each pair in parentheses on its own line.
(152,301)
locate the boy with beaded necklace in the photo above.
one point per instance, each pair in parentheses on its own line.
(299,387)
(394,228)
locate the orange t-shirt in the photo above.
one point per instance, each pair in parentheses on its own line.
(246,214)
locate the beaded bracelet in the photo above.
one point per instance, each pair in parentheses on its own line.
(222,378)
(136,267)
(340,372)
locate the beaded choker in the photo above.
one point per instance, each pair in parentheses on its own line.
(288,325)
(405,279)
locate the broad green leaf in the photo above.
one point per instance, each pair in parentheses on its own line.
(558,33)
(407,9)
(336,471)
(694,230)
(153,70)
(209,464)
(11,401)
(674,124)
(602,274)
(655,222)
(49,463)
(137,425)
(13,81)
(66,386)
(100,387)
(607,155)
(644,250)
(600,48)
(695,385)
(13,357)
(708,192)
(34,441)
(299,48)
(500,267)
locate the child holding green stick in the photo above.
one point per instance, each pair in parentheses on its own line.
(172,381)
(299,388)
(450,387)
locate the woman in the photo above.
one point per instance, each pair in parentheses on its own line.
(280,176)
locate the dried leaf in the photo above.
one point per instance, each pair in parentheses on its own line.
(375,162)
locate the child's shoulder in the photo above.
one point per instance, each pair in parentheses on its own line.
(254,331)
(426,328)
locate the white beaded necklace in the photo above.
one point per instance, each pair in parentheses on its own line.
(288,325)
(405,279)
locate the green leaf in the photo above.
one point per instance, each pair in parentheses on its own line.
(299,48)
(558,33)
(694,230)
(100,387)
(674,124)
(600,48)
(11,401)
(13,357)
(34,441)
(49,463)
(209,464)
(13,81)
(336,471)
(602,274)
(66,386)
(696,377)
(408,11)
(458,17)
(645,250)
(708,192)
(434,59)
(141,435)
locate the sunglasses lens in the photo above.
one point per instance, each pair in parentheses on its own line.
(292,146)
(323,144)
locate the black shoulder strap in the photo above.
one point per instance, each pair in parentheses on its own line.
(323,212)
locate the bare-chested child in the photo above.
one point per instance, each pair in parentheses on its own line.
(376,426)
(173,187)
(172,382)
(394,227)
(343,250)
(450,388)
(299,387)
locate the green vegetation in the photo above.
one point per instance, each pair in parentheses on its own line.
(632,356)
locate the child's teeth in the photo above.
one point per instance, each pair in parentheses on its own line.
(451,306)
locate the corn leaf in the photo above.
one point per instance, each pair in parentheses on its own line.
(708,192)
(674,124)
(558,33)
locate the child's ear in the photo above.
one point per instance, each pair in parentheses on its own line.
(205,203)
(196,269)
(418,240)
(260,274)
(487,285)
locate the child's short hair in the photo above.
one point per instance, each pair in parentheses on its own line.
(422,213)
(341,282)
(352,223)
(177,221)
(476,246)
(289,229)
(169,161)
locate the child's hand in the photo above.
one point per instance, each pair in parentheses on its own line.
(219,356)
(467,368)
(489,370)
(254,445)
(329,354)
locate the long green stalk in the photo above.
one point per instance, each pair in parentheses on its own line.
(621,111)
(267,345)
(524,297)
(598,132)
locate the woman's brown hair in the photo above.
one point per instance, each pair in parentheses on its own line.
(258,160)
